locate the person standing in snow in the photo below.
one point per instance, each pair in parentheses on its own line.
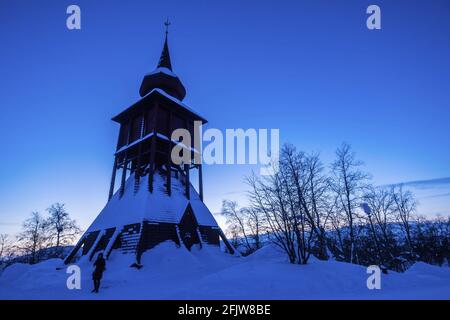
(100,266)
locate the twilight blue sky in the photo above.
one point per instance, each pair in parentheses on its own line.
(310,68)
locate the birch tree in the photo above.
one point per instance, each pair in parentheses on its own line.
(61,228)
(349,183)
(34,237)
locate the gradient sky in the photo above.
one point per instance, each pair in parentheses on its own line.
(310,68)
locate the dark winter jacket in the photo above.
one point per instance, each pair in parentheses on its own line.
(100,266)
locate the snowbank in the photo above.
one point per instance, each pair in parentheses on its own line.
(170,272)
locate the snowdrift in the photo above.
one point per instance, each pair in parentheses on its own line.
(175,273)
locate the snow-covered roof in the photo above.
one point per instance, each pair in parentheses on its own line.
(160,135)
(125,147)
(153,207)
(180,103)
(166,95)
(163,70)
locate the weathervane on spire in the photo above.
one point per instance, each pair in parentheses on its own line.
(167,24)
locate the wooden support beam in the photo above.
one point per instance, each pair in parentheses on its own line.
(152,151)
(130,127)
(225,241)
(74,250)
(169,174)
(113,179)
(200,181)
(169,161)
(152,164)
(186,168)
(124,175)
(138,171)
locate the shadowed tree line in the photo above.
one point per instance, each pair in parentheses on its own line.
(42,237)
(307,208)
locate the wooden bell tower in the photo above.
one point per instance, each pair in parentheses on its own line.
(144,144)
(154,202)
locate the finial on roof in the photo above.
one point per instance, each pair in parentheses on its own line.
(167,24)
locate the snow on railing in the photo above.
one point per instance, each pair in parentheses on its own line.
(178,235)
(199,235)
(75,250)
(94,246)
(112,240)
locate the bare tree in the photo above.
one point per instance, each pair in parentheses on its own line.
(33,237)
(236,220)
(349,183)
(254,222)
(5,247)
(370,221)
(432,240)
(234,236)
(294,205)
(405,207)
(320,201)
(62,229)
(381,202)
(299,204)
(3,240)
(299,177)
(267,197)
(338,223)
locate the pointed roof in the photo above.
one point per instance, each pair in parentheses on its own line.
(164,60)
(163,76)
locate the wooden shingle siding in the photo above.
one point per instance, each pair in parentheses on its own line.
(155,233)
(129,238)
(210,235)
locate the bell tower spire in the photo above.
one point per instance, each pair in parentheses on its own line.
(164,60)
(163,76)
(155,201)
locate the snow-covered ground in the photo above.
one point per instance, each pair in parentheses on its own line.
(175,273)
